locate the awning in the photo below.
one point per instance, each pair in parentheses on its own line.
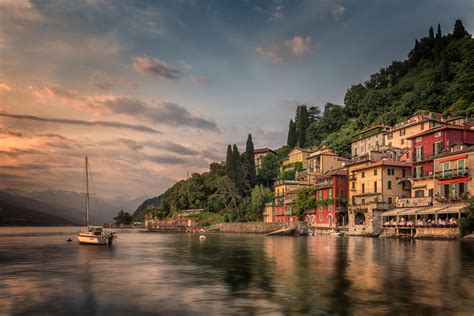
(453,209)
(402,211)
(433,209)
(419,186)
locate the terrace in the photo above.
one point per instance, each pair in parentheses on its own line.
(452,173)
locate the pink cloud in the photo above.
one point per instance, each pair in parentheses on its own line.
(300,46)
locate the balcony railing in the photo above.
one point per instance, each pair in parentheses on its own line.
(456,198)
(324,185)
(452,173)
(422,158)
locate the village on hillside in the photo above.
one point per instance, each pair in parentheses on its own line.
(409,179)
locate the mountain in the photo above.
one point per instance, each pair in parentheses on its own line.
(18,210)
(139,214)
(70,205)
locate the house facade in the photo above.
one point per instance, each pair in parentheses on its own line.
(371,138)
(429,144)
(258,155)
(331,192)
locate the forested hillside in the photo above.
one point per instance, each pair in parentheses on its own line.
(438,75)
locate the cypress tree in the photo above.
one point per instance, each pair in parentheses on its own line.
(438,33)
(237,163)
(292,138)
(229,164)
(437,47)
(431,33)
(250,174)
(302,125)
(459,30)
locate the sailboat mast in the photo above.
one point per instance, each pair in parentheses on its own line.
(87,192)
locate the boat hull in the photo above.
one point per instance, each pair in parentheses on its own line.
(92,240)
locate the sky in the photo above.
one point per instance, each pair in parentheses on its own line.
(152,91)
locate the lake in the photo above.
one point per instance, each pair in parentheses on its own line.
(153,273)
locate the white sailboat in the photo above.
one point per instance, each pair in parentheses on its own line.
(94,235)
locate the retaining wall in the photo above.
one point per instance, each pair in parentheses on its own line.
(253,227)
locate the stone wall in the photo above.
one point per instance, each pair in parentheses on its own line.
(420,232)
(372,225)
(253,227)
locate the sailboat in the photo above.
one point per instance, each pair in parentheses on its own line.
(94,235)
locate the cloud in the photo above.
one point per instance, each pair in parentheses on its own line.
(168,160)
(166,113)
(274,56)
(120,125)
(300,45)
(9,132)
(337,10)
(277,13)
(5,87)
(15,152)
(52,135)
(164,145)
(199,80)
(154,66)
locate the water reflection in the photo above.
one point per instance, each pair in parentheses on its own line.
(177,273)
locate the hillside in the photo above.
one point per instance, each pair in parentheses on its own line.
(438,75)
(23,211)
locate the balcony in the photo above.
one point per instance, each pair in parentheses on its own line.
(352,177)
(323,185)
(414,202)
(456,198)
(452,173)
(422,175)
(422,158)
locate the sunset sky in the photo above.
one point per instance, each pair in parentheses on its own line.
(151,90)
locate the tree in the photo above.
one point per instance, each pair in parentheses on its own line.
(258,198)
(431,33)
(459,30)
(123,218)
(314,114)
(292,137)
(302,123)
(305,200)
(444,68)
(249,164)
(466,225)
(227,196)
(237,162)
(230,164)
(438,43)
(269,170)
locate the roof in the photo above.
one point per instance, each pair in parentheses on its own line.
(391,163)
(263,150)
(371,128)
(334,172)
(457,152)
(439,128)
(437,209)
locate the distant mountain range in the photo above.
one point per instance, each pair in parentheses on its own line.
(58,207)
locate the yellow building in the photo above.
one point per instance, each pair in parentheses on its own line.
(318,163)
(367,140)
(268,216)
(297,156)
(374,188)
(398,135)
(258,155)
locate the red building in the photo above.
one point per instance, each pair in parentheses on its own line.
(427,145)
(331,190)
(284,207)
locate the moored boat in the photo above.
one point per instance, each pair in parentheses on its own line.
(94,235)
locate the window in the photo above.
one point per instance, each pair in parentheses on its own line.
(438,134)
(402,141)
(402,132)
(353,185)
(360,219)
(403,173)
(422,126)
(375,172)
(362,174)
(460,166)
(419,193)
(389,200)
(430,192)
(418,139)
(389,185)
(363,188)
(341,193)
(418,156)
(390,171)
(320,217)
(418,172)
(329,194)
(446,169)
(437,148)
(375,186)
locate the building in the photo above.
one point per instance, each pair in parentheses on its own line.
(268,216)
(427,145)
(331,192)
(368,139)
(318,163)
(373,188)
(398,135)
(453,177)
(258,155)
(285,194)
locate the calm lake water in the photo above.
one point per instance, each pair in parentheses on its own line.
(150,273)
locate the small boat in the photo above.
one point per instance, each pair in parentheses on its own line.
(202,237)
(94,235)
